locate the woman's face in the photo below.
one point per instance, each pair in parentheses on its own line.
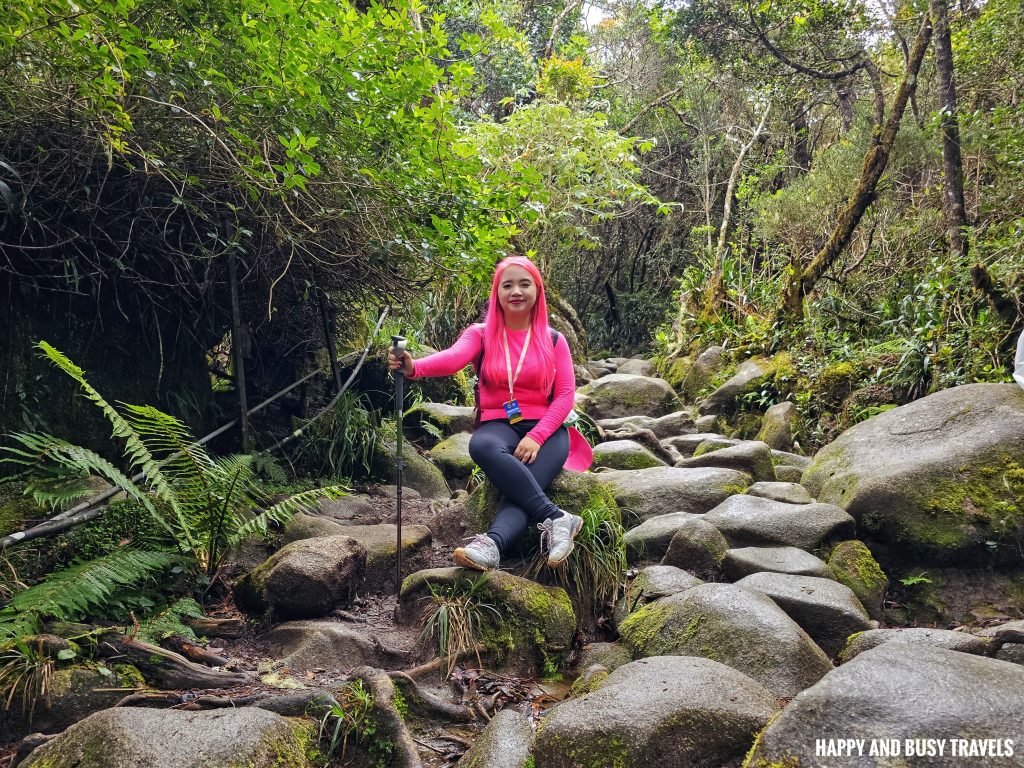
(517,293)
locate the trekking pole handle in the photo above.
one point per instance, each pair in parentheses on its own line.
(398,345)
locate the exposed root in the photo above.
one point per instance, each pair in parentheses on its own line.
(433,666)
(429,704)
(390,726)
(647,439)
(387,650)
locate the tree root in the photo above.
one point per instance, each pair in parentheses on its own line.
(433,666)
(390,726)
(647,439)
(428,703)
(387,650)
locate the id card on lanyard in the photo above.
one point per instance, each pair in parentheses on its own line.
(512,412)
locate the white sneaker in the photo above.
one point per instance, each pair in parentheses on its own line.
(559,533)
(481,554)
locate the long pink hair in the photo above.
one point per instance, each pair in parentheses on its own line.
(540,340)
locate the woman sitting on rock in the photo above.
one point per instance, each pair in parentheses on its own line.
(526,391)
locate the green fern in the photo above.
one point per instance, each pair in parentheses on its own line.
(211,504)
(69,594)
(169,621)
(283,511)
(39,449)
(136,451)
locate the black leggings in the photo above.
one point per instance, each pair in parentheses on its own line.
(522,485)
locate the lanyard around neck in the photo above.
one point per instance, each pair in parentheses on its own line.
(508,360)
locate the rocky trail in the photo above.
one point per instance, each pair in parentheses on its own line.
(857,607)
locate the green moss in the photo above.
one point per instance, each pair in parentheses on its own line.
(128,676)
(530,762)
(761,762)
(640,458)
(645,624)
(601,751)
(674,371)
(747,425)
(584,685)
(401,705)
(854,566)
(298,749)
(979,508)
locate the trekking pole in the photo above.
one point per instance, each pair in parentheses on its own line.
(398,345)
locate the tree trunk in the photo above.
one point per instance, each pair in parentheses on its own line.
(952,162)
(802,282)
(716,288)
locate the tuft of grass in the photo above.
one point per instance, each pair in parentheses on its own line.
(349,715)
(26,673)
(597,566)
(455,623)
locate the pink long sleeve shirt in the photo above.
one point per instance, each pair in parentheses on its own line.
(533,400)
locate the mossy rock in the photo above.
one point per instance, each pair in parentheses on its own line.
(447,419)
(742,629)
(674,370)
(534,635)
(938,480)
(74,692)
(128,737)
(853,565)
(505,743)
(571,491)
(658,713)
(625,454)
(308,578)
(836,381)
(780,425)
(700,375)
(622,394)
(452,457)
(419,472)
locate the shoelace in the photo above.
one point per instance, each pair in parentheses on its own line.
(547,532)
(481,538)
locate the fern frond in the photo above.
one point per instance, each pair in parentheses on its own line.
(282,511)
(163,434)
(265,465)
(169,621)
(135,449)
(70,593)
(41,448)
(59,490)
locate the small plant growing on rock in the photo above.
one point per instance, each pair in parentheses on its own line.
(348,715)
(915,580)
(455,623)
(25,671)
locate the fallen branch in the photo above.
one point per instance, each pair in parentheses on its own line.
(193,652)
(159,667)
(207,626)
